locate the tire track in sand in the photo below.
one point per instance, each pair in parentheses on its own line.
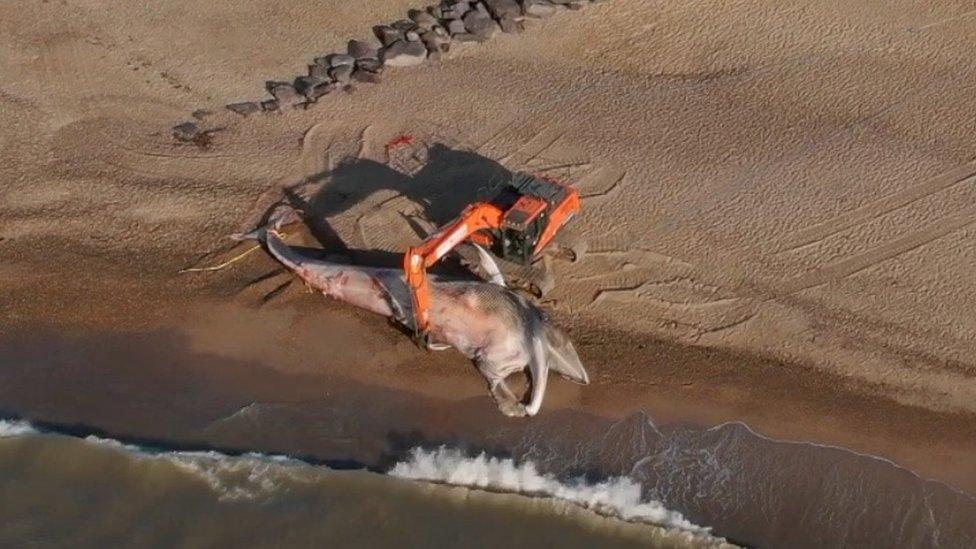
(873,210)
(874,256)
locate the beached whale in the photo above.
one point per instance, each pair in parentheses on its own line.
(501,331)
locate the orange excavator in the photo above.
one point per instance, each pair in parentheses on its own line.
(517,224)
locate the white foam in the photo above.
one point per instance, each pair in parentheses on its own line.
(15,428)
(618,496)
(245,477)
(248,476)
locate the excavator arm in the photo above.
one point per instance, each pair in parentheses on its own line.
(524,216)
(473,225)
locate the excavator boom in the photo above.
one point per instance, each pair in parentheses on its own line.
(475,218)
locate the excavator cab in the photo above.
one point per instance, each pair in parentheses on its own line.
(535,209)
(522,225)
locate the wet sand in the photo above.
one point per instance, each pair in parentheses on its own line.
(778,206)
(159,390)
(219,359)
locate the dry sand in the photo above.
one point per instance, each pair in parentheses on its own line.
(780,197)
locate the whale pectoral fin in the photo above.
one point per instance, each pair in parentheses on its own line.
(538,372)
(505,399)
(562,356)
(489,266)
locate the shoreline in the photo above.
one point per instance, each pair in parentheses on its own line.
(671,383)
(161,389)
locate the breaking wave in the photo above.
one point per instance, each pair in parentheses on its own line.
(15,428)
(618,496)
(247,476)
(273,481)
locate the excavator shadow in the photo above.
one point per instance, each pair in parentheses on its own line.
(449,180)
(368,212)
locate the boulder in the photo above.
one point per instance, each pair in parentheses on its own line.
(465,37)
(187,131)
(511,25)
(341,74)
(360,49)
(284,92)
(456,26)
(455,10)
(306,84)
(318,71)
(244,108)
(480,24)
(404,54)
(423,19)
(404,25)
(387,35)
(320,88)
(370,65)
(360,75)
(436,42)
(270,105)
(538,8)
(339,59)
(501,9)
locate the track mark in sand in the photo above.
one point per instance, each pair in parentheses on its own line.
(317,150)
(878,208)
(267,286)
(276,291)
(568,166)
(945,21)
(628,293)
(641,292)
(535,146)
(600,185)
(724,327)
(364,141)
(644,286)
(191,156)
(388,227)
(645,257)
(493,136)
(626,267)
(617,245)
(695,315)
(266,276)
(889,250)
(530,147)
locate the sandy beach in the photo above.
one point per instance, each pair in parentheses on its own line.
(779,207)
